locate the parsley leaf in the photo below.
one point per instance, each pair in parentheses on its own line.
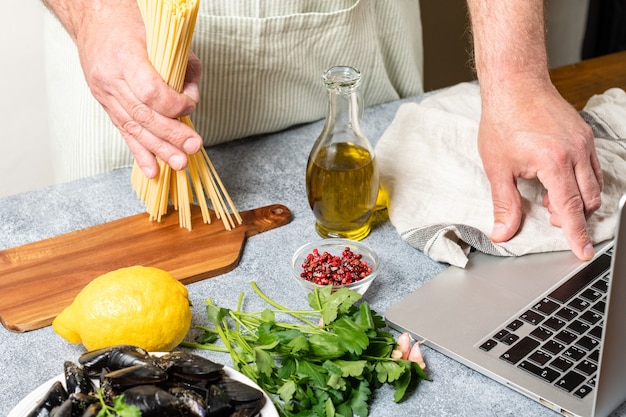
(119,408)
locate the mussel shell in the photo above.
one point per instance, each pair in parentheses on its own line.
(190,367)
(249,409)
(113,358)
(134,375)
(81,402)
(76,380)
(54,397)
(246,412)
(63,410)
(194,404)
(92,410)
(153,401)
(238,392)
(74,406)
(218,403)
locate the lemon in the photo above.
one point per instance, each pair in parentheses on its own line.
(137,305)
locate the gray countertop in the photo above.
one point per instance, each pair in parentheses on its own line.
(257,172)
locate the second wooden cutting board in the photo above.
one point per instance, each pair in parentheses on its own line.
(38,280)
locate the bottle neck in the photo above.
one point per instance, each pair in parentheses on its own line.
(344,111)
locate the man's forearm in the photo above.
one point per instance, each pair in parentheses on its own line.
(509,41)
(74,13)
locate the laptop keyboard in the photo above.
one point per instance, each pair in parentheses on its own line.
(558,339)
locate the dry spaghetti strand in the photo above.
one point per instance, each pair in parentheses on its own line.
(169,30)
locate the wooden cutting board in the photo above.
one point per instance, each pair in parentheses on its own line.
(38,280)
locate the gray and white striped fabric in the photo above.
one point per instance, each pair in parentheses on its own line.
(262,66)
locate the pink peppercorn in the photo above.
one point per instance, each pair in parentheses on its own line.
(324,268)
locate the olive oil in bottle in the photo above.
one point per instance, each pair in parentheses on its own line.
(341,176)
(342,190)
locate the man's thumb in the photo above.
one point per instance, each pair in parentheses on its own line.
(507,212)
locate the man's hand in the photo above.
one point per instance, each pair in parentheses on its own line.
(111,42)
(534,133)
(527,130)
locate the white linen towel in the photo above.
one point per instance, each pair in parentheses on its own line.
(439,195)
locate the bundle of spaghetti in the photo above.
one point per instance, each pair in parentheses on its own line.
(169,30)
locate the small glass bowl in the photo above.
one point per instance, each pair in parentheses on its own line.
(335,246)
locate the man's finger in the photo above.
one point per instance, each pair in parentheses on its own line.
(507,208)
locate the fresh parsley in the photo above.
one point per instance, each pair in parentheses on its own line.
(326,362)
(119,408)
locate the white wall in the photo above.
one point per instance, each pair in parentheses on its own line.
(24,162)
(566,21)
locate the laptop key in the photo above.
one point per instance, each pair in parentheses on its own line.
(579,304)
(509,339)
(574,353)
(582,391)
(554,323)
(518,351)
(591,317)
(601,285)
(592,382)
(591,294)
(546,306)
(566,314)
(594,356)
(561,364)
(565,337)
(546,374)
(541,333)
(539,357)
(587,367)
(500,335)
(587,343)
(596,332)
(488,345)
(532,317)
(552,346)
(599,307)
(514,325)
(570,381)
(578,327)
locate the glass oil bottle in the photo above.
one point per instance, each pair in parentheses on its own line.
(341,175)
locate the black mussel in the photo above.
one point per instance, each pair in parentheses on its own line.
(133,375)
(193,403)
(246,400)
(55,396)
(189,367)
(81,402)
(76,380)
(249,409)
(153,401)
(238,392)
(113,358)
(246,412)
(74,406)
(107,390)
(199,387)
(92,410)
(63,410)
(218,403)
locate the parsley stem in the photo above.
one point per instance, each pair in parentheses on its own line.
(278,306)
(205,346)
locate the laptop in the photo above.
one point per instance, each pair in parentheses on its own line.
(547,325)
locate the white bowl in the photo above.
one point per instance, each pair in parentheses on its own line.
(335,246)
